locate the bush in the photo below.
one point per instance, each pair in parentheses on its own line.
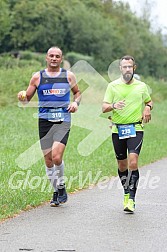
(157,88)
(73,57)
(27,55)
(22,59)
(8,61)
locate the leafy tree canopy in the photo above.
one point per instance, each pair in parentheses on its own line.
(102,29)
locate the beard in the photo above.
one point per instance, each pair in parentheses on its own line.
(128,77)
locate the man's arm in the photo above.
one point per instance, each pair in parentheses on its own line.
(147,111)
(25,96)
(149,104)
(107,107)
(76,93)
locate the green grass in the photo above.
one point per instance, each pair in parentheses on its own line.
(154,146)
(19,132)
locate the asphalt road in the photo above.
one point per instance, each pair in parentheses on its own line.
(93,220)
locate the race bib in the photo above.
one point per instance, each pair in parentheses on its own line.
(126,131)
(56,115)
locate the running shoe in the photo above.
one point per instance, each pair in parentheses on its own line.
(130,207)
(62,194)
(126,198)
(55,201)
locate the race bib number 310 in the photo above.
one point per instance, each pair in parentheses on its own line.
(126,131)
(56,115)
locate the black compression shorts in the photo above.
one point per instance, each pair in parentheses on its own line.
(132,145)
(50,132)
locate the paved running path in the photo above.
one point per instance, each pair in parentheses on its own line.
(93,220)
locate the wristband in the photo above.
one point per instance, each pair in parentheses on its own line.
(149,106)
(113,105)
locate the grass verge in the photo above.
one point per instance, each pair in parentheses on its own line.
(24,188)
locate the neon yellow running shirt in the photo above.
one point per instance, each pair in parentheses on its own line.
(134,95)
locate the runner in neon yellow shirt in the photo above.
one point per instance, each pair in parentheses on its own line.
(132,96)
(125,97)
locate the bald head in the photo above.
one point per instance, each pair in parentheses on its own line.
(54,49)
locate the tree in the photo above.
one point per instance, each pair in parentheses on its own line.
(5,21)
(36,25)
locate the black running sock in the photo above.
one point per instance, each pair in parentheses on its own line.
(133,182)
(124,180)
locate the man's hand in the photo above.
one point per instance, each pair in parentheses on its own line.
(118,105)
(22,96)
(73,107)
(107,107)
(146,114)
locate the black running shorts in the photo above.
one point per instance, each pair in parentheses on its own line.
(50,132)
(132,145)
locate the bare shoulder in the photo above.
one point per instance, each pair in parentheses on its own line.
(35,79)
(71,76)
(72,79)
(36,75)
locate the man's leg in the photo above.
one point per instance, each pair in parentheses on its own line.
(57,157)
(134,174)
(124,178)
(134,147)
(52,175)
(55,172)
(123,174)
(133,182)
(120,148)
(50,168)
(46,141)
